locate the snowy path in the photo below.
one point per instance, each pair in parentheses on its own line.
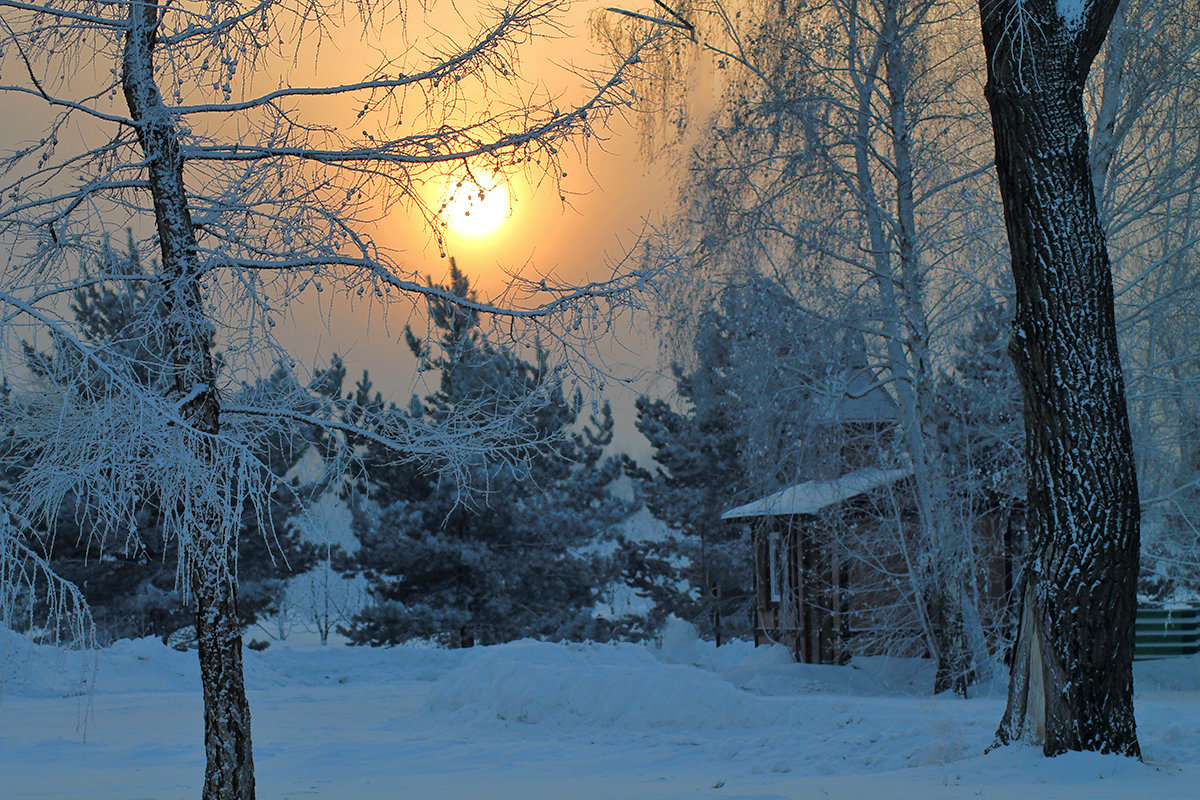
(529,721)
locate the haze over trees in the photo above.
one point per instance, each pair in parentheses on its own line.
(831,292)
(840,166)
(844,161)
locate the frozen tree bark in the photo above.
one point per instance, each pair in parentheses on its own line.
(229,771)
(1072,680)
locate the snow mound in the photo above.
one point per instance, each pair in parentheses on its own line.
(35,670)
(284,665)
(771,670)
(681,682)
(618,685)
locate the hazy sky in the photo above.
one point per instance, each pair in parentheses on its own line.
(609,197)
(610,188)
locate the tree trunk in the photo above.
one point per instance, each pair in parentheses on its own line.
(229,771)
(946,585)
(1072,674)
(955,663)
(209,547)
(939,572)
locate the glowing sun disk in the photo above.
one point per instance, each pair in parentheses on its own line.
(475,209)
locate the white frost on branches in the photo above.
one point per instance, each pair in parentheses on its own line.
(32,596)
(281,201)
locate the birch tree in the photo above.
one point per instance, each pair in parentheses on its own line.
(1072,678)
(184,123)
(842,164)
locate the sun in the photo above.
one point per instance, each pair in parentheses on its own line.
(475,207)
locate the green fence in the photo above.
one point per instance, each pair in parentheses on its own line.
(1165,632)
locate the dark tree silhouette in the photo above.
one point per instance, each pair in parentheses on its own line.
(1072,678)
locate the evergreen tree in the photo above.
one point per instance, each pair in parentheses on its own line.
(980,437)
(702,571)
(508,550)
(979,414)
(765,404)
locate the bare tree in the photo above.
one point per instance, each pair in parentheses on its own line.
(1072,677)
(1145,160)
(249,196)
(843,163)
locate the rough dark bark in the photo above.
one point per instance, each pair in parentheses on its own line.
(229,773)
(1072,684)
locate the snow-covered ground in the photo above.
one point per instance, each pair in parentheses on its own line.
(531,720)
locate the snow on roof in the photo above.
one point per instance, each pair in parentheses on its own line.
(812,496)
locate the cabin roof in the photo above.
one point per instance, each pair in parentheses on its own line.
(813,496)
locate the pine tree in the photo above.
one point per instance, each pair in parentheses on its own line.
(979,413)
(509,550)
(981,438)
(702,570)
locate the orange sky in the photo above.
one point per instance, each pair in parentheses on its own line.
(610,189)
(609,196)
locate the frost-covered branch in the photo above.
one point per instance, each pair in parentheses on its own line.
(32,596)
(173,393)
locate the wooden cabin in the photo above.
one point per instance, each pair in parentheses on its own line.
(832,556)
(810,592)
(832,561)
